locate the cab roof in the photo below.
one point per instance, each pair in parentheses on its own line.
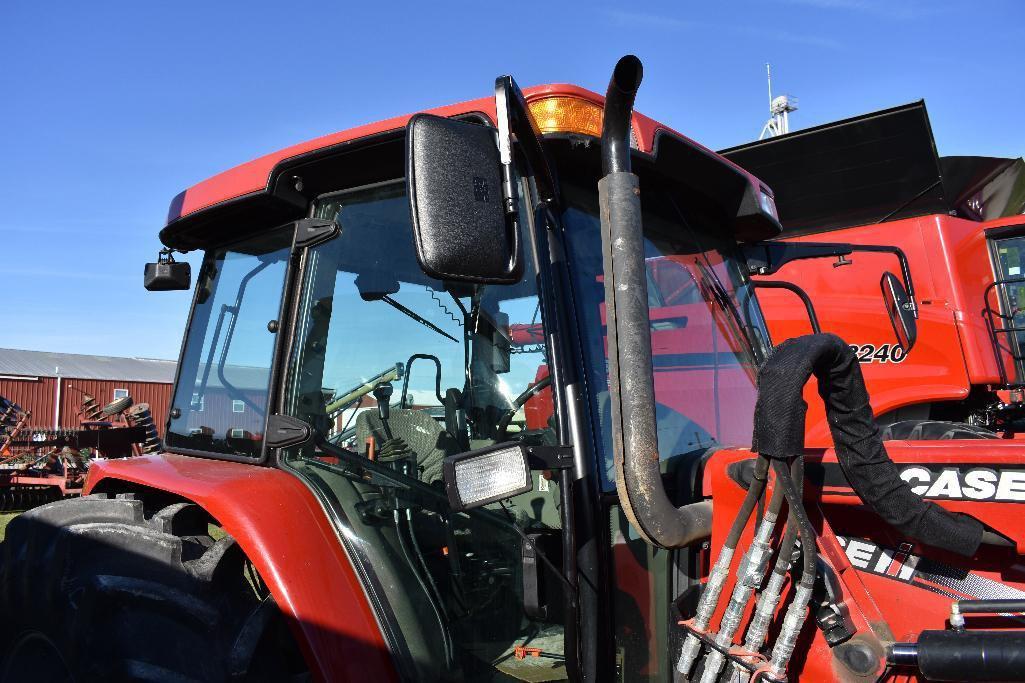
(255,178)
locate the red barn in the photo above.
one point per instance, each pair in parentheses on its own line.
(51,384)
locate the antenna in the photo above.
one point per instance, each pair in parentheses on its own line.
(779,110)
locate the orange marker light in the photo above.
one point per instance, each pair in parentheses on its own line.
(566,115)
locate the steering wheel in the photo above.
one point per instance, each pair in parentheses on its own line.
(518,402)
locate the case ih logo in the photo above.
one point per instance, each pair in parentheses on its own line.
(895,564)
(902,565)
(960,482)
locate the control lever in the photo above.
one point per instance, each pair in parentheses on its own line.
(382,392)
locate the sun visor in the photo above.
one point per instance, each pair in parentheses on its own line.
(866,169)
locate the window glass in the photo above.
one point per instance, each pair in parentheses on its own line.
(229,348)
(120,393)
(396,371)
(1010,262)
(707,334)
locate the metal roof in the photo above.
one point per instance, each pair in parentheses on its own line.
(47,364)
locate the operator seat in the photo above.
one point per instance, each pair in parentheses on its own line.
(424,435)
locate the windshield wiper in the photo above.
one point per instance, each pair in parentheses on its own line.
(719,292)
(426,323)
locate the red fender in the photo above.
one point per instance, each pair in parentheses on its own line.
(283,530)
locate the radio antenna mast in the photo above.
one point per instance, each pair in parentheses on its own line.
(779,110)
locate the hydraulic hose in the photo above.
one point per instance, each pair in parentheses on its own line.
(797,610)
(779,433)
(632,391)
(720,571)
(750,572)
(768,599)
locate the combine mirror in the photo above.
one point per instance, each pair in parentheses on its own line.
(900,310)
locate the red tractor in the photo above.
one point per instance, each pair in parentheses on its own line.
(876,180)
(353,486)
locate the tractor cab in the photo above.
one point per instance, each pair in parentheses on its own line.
(351,348)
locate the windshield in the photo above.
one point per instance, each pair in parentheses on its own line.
(220,403)
(396,371)
(707,333)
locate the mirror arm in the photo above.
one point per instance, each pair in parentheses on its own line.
(766,258)
(905,268)
(791,287)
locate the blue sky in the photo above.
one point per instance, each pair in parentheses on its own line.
(109,109)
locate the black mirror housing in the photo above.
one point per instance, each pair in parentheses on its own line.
(167,276)
(454,184)
(900,309)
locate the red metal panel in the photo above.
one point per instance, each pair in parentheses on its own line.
(157,395)
(282,528)
(36,395)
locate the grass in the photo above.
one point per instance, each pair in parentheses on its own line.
(5,518)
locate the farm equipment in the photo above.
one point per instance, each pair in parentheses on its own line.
(565,487)
(41,465)
(876,181)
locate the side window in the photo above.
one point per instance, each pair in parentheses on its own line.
(703,335)
(120,393)
(1010,266)
(229,348)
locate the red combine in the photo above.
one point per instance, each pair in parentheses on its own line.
(360,481)
(877,180)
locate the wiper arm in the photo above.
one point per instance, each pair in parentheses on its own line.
(426,323)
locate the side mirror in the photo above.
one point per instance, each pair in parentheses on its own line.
(166,274)
(454,181)
(900,309)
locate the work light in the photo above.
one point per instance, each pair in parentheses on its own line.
(483,476)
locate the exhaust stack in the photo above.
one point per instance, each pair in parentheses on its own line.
(634,434)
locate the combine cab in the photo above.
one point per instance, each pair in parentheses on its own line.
(485,394)
(876,180)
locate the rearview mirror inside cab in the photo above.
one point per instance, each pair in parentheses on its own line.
(900,310)
(454,184)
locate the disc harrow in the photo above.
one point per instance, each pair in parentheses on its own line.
(41,465)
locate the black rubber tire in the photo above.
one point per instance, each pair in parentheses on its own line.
(117,595)
(934,430)
(117,405)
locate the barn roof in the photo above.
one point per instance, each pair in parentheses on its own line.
(23,363)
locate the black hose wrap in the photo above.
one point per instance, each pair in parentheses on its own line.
(779,433)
